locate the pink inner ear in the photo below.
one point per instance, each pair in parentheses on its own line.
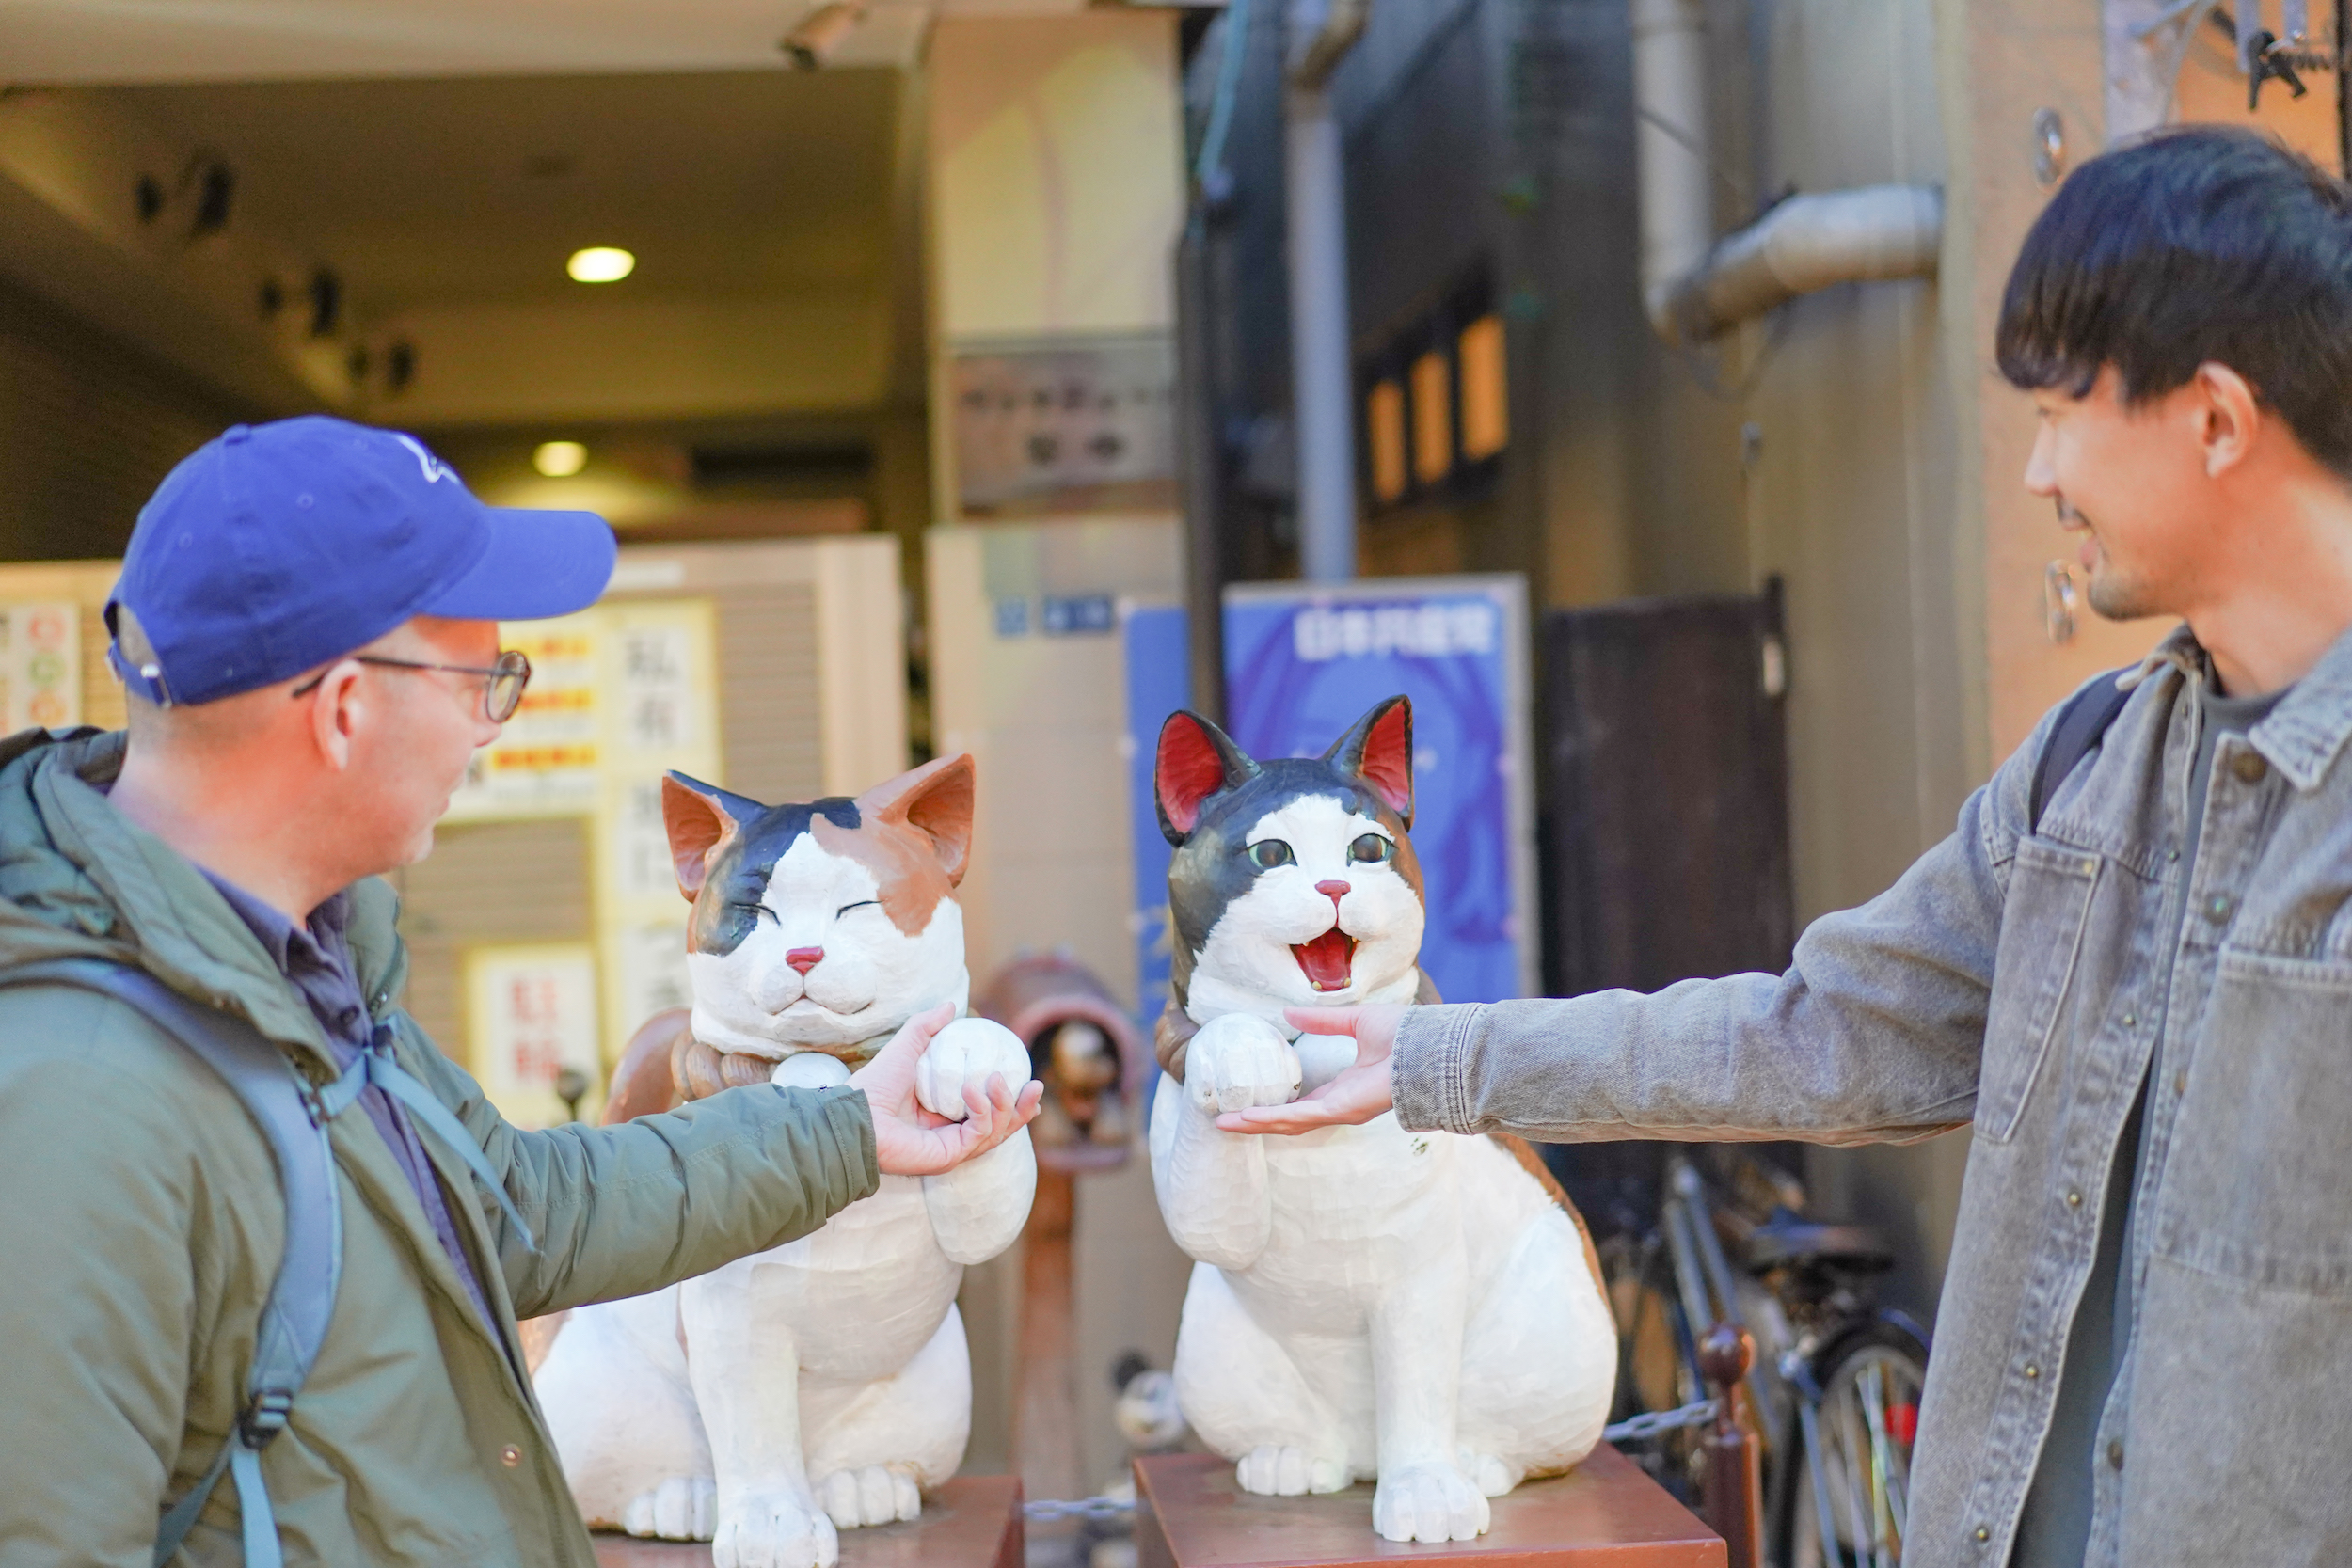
(1389,758)
(1188,772)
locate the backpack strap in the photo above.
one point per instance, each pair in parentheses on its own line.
(2079,729)
(302,1296)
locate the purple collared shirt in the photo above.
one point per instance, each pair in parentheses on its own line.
(316,960)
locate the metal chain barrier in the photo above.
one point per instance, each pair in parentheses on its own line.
(1633,1429)
(1083,1507)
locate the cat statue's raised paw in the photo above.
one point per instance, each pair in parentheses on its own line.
(1417,1308)
(823,1385)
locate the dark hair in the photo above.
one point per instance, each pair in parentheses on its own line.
(2206,244)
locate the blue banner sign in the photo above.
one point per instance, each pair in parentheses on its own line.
(1302,663)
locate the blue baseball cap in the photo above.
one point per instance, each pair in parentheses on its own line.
(275,549)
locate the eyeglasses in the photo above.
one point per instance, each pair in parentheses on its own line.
(500,696)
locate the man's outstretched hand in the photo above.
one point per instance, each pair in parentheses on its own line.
(909,1140)
(1355,1096)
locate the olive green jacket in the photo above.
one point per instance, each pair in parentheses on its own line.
(141,1224)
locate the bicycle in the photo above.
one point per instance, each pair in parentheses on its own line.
(1836,1383)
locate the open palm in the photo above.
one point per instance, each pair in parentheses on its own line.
(1360,1093)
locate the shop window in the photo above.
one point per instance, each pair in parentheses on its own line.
(1384,426)
(1432,419)
(1485,389)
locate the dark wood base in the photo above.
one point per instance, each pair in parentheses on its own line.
(1191,1513)
(972,1522)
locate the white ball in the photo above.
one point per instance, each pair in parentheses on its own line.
(810,1069)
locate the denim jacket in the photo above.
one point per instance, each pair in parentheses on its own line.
(2016,982)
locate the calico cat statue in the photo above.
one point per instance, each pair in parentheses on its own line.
(1421,1308)
(822,1385)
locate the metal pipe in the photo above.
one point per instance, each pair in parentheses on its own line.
(1805,244)
(1322,385)
(1670,143)
(1200,473)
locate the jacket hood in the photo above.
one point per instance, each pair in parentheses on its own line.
(80,879)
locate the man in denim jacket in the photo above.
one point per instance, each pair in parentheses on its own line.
(2144,1006)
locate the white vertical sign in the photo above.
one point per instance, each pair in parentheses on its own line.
(534,1014)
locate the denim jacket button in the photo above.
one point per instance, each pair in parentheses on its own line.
(2073,1200)
(1984,1534)
(2115,1454)
(2249,766)
(2032,1373)
(2217,908)
(2131,1020)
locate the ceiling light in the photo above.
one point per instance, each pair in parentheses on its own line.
(559,459)
(600,264)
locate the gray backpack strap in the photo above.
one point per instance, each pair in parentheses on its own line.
(302,1298)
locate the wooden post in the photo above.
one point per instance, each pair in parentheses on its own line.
(1045,1402)
(1735,1474)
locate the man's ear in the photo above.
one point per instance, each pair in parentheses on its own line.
(332,711)
(700,824)
(1378,749)
(2233,416)
(936,800)
(1195,760)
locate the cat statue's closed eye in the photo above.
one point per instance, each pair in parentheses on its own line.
(825,1383)
(1419,1309)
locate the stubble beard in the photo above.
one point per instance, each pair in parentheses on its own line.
(2116,598)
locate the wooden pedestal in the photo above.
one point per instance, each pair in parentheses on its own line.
(1190,1514)
(972,1522)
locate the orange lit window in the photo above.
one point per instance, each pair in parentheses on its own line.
(1433,420)
(1486,393)
(1384,421)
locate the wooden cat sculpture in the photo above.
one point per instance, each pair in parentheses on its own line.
(823,1385)
(1418,1308)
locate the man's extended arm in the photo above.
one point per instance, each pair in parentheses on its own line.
(1875,1033)
(619,1210)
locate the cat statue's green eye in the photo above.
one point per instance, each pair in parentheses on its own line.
(1267,853)
(1370,850)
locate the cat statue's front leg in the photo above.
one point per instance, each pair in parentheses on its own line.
(1423,1493)
(978,1208)
(745,1363)
(1211,1184)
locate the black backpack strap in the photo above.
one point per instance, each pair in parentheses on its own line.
(302,1298)
(2081,724)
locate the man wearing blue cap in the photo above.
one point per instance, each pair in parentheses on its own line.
(307,626)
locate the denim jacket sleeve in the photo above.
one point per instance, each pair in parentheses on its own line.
(1873,1034)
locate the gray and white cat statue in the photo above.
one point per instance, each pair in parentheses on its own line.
(822,1385)
(1421,1309)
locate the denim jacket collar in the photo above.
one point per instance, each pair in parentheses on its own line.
(2301,736)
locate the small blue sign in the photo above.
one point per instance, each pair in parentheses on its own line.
(1089,615)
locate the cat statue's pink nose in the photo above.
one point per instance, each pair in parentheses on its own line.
(804,959)
(1335,891)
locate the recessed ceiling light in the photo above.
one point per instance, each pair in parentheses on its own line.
(600,264)
(559,459)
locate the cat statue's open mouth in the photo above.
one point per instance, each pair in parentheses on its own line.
(1330,959)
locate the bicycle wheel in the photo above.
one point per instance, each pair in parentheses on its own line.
(1864,1429)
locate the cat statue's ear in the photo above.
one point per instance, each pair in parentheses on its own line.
(701,820)
(1196,760)
(935,800)
(1378,749)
